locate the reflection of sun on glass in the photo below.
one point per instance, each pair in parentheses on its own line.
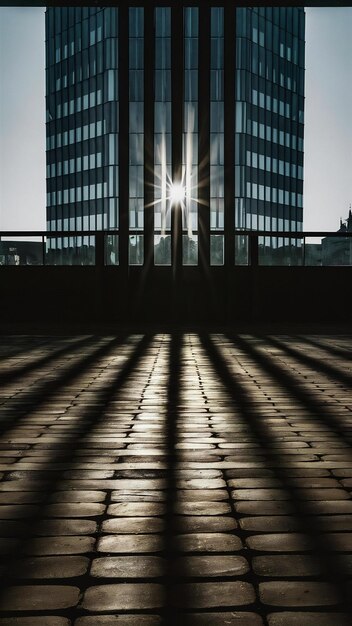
(177,193)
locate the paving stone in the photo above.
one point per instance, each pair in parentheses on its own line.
(76,509)
(281,494)
(306,482)
(211,566)
(21,497)
(265,508)
(194,483)
(193,473)
(35,621)
(130,525)
(188,524)
(88,473)
(208,542)
(287,618)
(131,543)
(233,618)
(332,522)
(18,511)
(286,565)
(342,472)
(135,509)
(247,474)
(11,528)
(59,545)
(339,542)
(128,567)
(328,507)
(143,495)
(77,496)
(321,494)
(108,484)
(306,473)
(201,508)
(123,597)
(255,483)
(270,523)
(119,620)
(50,567)
(8,546)
(201,495)
(283,542)
(211,595)
(39,598)
(345,563)
(55,527)
(283,593)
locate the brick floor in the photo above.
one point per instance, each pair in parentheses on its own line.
(167,479)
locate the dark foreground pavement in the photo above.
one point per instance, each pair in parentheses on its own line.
(164,479)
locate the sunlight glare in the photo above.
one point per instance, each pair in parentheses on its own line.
(177,193)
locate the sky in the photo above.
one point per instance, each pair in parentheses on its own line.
(328,119)
(22,119)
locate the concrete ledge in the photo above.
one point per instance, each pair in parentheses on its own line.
(133,295)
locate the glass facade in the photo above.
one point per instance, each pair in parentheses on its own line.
(190,137)
(136,134)
(254,64)
(216,136)
(82,119)
(162,136)
(269,118)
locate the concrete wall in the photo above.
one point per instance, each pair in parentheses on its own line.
(113,294)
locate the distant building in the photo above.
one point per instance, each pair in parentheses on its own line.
(346,226)
(21,253)
(338,250)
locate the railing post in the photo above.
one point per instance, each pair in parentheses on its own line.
(43,250)
(253,250)
(304,251)
(99,249)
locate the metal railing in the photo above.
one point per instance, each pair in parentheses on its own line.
(252,248)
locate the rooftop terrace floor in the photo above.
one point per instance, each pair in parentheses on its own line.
(176,478)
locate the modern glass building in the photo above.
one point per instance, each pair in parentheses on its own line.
(173,127)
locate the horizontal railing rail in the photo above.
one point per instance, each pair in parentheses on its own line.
(101,247)
(250,233)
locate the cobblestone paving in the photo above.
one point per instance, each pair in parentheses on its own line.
(165,479)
